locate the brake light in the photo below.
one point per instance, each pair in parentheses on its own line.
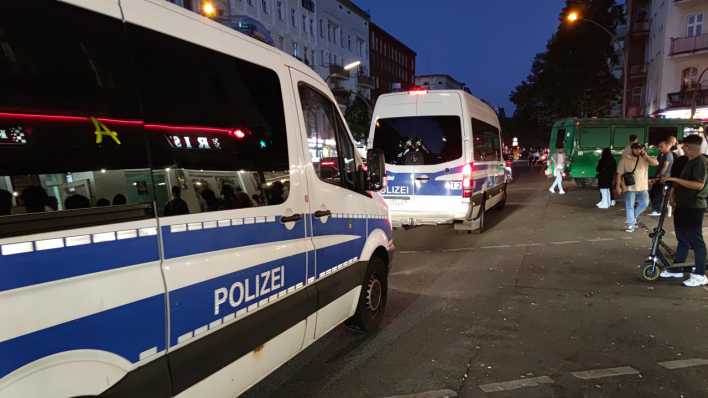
(467,181)
(418,91)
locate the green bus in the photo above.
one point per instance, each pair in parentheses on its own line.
(584,140)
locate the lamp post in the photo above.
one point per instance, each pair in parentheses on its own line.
(575,16)
(208,9)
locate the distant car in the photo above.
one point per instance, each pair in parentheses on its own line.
(508,173)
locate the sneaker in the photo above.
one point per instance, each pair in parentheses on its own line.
(551,191)
(562,192)
(631,228)
(667,274)
(654,214)
(696,281)
(612,203)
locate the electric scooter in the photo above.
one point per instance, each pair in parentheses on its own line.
(661,257)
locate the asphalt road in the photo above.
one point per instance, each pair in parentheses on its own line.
(547,302)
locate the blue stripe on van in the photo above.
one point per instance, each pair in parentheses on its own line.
(193,307)
(125,331)
(186,243)
(19,270)
(330,257)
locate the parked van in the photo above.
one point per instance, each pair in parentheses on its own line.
(443,157)
(167,224)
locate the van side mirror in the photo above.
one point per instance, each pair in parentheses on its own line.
(376,169)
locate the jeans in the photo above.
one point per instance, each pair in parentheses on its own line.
(688,224)
(657,196)
(558,181)
(642,197)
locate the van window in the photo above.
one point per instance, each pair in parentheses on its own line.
(658,134)
(419,140)
(560,138)
(595,137)
(72,149)
(332,152)
(486,141)
(215,126)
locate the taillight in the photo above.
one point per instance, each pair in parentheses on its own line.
(467,181)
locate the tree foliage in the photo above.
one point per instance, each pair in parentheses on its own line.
(573,76)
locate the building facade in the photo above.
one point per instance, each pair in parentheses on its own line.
(667,53)
(439,82)
(324,34)
(392,62)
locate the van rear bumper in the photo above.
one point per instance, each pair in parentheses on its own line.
(399,220)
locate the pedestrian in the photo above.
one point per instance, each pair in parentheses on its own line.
(633,179)
(177,206)
(690,193)
(676,148)
(606,169)
(666,160)
(558,166)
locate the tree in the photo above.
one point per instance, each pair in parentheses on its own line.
(573,76)
(358,117)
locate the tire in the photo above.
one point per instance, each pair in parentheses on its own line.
(650,272)
(481,217)
(372,300)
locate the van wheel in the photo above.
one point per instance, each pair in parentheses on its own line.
(502,203)
(373,297)
(481,217)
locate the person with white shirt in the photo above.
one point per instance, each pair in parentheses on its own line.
(558,161)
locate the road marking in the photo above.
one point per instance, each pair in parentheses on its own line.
(495,247)
(601,373)
(459,249)
(528,244)
(516,384)
(565,242)
(626,238)
(600,240)
(428,394)
(408,251)
(683,363)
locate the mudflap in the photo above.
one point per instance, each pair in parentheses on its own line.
(473,220)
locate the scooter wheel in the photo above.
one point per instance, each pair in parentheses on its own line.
(650,272)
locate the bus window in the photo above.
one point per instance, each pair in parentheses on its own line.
(72,149)
(658,134)
(217,138)
(595,137)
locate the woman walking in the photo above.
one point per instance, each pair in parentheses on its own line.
(558,168)
(606,169)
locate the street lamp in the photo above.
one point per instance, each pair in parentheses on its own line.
(208,9)
(575,16)
(352,65)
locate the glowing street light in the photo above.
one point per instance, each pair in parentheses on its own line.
(572,16)
(208,9)
(352,65)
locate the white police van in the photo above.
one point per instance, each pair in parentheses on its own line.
(182,209)
(443,157)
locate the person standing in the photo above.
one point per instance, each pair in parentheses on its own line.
(690,193)
(558,160)
(627,151)
(633,179)
(666,160)
(605,174)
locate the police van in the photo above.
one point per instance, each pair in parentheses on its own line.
(443,157)
(168,226)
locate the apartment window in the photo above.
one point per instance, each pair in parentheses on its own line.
(695,25)
(264,6)
(308,5)
(350,42)
(329,56)
(322,58)
(250,3)
(312,57)
(312,27)
(295,49)
(688,77)
(279,5)
(292,17)
(362,46)
(281,41)
(329,31)
(341,38)
(304,24)
(321,28)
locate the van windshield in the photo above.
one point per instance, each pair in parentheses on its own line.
(419,140)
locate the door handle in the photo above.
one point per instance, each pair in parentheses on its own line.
(294,218)
(424,178)
(322,213)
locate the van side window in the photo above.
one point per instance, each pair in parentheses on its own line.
(215,126)
(330,147)
(486,141)
(72,149)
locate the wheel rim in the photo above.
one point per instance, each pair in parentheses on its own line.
(373,294)
(648,274)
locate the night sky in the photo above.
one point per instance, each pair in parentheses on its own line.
(488,44)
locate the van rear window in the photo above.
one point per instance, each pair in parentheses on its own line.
(419,140)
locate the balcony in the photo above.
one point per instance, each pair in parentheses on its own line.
(689,45)
(638,70)
(365,81)
(686,2)
(338,72)
(683,99)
